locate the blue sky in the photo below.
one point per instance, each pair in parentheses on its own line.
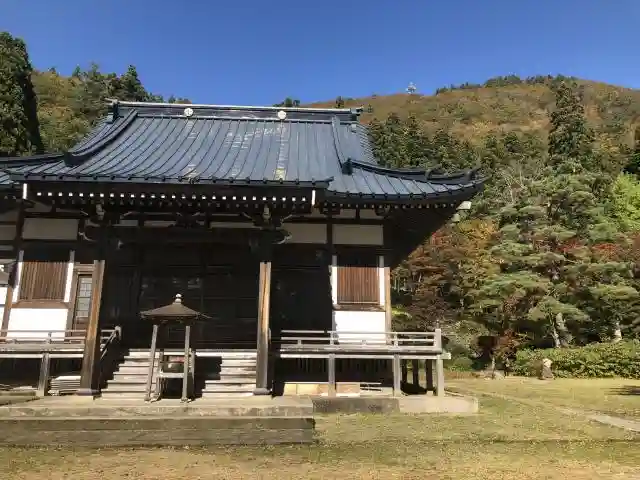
(259,51)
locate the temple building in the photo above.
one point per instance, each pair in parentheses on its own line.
(277,225)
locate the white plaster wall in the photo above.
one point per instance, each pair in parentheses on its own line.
(50,229)
(307,233)
(382,286)
(69,279)
(369,325)
(357,235)
(334,280)
(36,322)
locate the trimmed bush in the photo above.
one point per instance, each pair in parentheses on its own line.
(598,360)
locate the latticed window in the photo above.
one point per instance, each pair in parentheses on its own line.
(43,279)
(83,302)
(358,279)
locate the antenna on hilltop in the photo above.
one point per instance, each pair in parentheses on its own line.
(411,89)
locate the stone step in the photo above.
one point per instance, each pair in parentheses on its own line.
(155,431)
(231,363)
(124,394)
(223,394)
(132,370)
(126,387)
(229,388)
(210,384)
(126,377)
(231,372)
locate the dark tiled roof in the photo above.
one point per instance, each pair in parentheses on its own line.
(161,143)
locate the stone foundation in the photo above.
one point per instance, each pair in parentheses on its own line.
(155,431)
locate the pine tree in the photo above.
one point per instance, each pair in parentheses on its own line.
(19,127)
(128,87)
(550,234)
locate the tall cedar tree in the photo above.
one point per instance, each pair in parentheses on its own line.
(19,128)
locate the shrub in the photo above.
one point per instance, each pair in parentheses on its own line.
(598,360)
(459,364)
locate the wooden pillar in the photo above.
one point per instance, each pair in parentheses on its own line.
(186,365)
(388,312)
(429,369)
(152,361)
(43,380)
(440,377)
(415,372)
(262,343)
(90,375)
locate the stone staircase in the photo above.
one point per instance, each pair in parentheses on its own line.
(130,378)
(233,374)
(219,373)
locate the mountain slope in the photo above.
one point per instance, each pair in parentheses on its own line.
(473,112)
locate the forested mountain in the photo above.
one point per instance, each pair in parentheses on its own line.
(549,253)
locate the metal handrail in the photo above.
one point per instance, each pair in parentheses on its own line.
(115,336)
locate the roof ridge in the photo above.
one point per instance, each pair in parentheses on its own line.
(126,103)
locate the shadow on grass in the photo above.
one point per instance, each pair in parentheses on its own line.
(627,390)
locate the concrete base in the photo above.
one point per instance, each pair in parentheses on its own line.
(449,404)
(74,421)
(87,392)
(73,406)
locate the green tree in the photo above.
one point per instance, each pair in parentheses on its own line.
(288,103)
(19,126)
(633,162)
(625,202)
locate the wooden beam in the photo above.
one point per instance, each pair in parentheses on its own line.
(89,374)
(262,360)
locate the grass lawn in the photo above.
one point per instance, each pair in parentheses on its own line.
(504,441)
(618,397)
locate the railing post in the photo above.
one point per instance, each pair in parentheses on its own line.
(397,389)
(152,358)
(331,373)
(43,380)
(437,339)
